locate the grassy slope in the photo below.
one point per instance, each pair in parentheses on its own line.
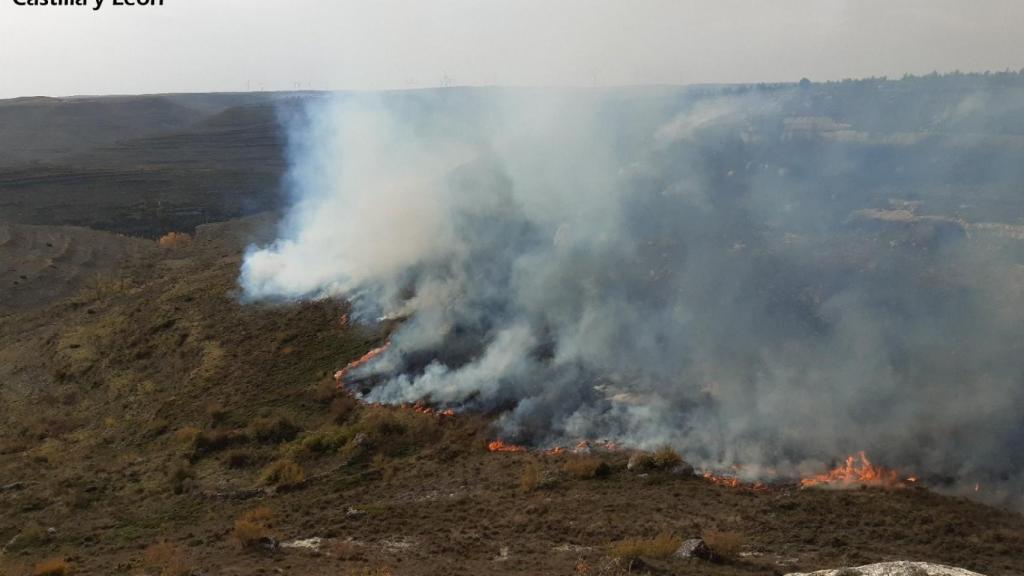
(149,411)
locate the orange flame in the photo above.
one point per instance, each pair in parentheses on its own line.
(856,471)
(339,376)
(499,446)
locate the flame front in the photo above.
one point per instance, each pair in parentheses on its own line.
(857,471)
(339,376)
(500,446)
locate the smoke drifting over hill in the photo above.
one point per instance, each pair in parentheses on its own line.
(767,278)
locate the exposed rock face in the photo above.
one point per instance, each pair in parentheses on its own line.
(894,569)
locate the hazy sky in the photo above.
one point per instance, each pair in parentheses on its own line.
(218,45)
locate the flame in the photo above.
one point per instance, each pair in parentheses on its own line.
(422,408)
(731,481)
(856,471)
(499,446)
(339,376)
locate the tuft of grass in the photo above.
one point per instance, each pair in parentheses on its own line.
(587,467)
(661,546)
(665,458)
(326,440)
(283,474)
(249,534)
(726,545)
(252,527)
(53,567)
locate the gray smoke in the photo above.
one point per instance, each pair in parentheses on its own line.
(770,278)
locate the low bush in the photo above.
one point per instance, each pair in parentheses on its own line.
(665,458)
(726,545)
(253,527)
(661,546)
(283,474)
(272,430)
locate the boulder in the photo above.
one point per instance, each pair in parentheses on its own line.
(893,569)
(693,548)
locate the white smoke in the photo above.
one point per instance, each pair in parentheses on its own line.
(644,266)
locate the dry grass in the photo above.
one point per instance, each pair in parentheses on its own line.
(665,457)
(168,558)
(661,546)
(260,515)
(283,474)
(587,467)
(53,567)
(249,534)
(530,479)
(272,430)
(726,545)
(252,527)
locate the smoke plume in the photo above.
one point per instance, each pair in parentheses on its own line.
(770,278)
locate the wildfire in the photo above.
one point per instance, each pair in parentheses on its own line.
(422,408)
(733,481)
(499,446)
(857,470)
(339,376)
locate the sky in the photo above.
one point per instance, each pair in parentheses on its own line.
(238,45)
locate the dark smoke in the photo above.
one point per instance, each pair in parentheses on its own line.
(770,277)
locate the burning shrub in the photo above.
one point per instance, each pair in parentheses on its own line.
(725,545)
(168,558)
(661,546)
(175,240)
(283,474)
(53,567)
(587,467)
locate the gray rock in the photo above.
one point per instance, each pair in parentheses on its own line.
(901,568)
(694,548)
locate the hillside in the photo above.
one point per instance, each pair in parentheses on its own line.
(153,410)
